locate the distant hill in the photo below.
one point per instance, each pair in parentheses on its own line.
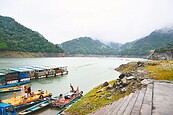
(16,37)
(158,39)
(86,45)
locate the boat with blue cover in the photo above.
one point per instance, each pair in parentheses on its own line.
(13,77)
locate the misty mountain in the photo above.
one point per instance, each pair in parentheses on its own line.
(158,39)
(87,45)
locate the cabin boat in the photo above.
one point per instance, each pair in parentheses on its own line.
(23,74)
(10,78)
(7,77)
(49,72)
(60,70)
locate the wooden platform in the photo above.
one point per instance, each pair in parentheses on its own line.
(155,99)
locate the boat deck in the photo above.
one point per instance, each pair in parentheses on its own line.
(18,100)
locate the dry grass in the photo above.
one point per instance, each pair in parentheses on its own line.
(161,71)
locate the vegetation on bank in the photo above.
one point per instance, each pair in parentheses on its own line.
(160,70)
(95,99)
(16,37)
(155,69)
(86,45)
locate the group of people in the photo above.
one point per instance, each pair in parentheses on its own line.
(70,95)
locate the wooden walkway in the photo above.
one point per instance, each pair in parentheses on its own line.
(155,99)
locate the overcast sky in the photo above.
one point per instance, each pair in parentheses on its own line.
(107,20)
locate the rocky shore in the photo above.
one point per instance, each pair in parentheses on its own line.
(134,76)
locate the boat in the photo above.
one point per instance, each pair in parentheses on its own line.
(10,89)
(67,101)
(13,77)
(34,108)
(7,109)
(25,99)
(68,105)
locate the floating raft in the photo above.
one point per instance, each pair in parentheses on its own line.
(20,100)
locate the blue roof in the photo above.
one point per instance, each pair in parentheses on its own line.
(19,69)
(4,105)
(5,71)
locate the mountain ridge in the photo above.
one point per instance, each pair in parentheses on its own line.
(16,37)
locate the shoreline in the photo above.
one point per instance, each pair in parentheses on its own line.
(18,54)
(141,71)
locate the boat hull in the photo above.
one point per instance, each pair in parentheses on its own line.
(15,84)
(11,89)
(66,103)
(34,108)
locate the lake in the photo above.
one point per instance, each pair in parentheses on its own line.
(85,72)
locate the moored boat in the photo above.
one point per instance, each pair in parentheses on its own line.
(10,89)
(68,99)
(13,77)
(34,108)
(27,98)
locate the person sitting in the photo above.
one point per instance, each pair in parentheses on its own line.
(61,98)
(69,95)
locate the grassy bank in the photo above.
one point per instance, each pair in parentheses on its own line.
(95,99)
(160,70)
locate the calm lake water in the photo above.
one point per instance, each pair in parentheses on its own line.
(85,72)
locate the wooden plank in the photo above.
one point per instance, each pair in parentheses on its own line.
(131,103)
(114,105)
(124,105)
(146,108)
(136,108)
(109,107)
(115,109)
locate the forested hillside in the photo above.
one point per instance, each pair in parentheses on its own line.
(16,37)
(86,45)
(157,40)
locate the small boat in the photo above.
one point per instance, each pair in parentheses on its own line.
(67,106)
(34,108)
(67,101)
(10,89)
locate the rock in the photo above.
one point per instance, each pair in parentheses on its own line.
(105,84)
(109,87)
(124,80)
(114,85)
(122,75)
(145,81)
(131,77)
(140,64)
(123,90)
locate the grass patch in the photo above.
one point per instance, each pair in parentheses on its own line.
(163,70)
